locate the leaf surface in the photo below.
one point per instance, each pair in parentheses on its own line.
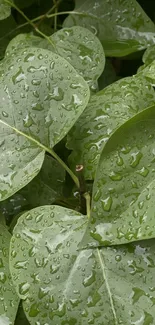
(42,97)
(80,47)
(8,297)
(59,284)
(122,26)
(105,112)
(124,188)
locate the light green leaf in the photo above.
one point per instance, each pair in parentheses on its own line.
(41,98)
(42,267)
(148,57)
(148,71)
(47,186)
(8,299)
(106,111)
(5,9)
(59,284)
(124,188)
(23,41)
(122,26)
(80,47)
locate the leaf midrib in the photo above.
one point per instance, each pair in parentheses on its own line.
(107,286)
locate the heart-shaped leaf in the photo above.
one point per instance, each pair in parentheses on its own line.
(5,9)
(124,188)
(122,26)
(41,98)
(8,298)
(60,285)
(80,47)
(106,111)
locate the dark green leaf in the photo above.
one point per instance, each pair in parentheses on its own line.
(41,98)
(122,26)
(124,188)
(106,111)
(47,186)
(8,298)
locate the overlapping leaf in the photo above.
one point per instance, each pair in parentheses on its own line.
(41,98)
(122,26)
(47,186)
(59,284)
(106,111)
(8,299)
(80,47)
(124,188)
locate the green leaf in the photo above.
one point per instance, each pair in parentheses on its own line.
(21,317)
(108,76)
(124,188)
(5,9)
(7,30)
(41,98)
(148,57)
(43,256)
(22,41)
(80,47)
(9,299)
(61,285)
(47,186)
(122,26)
(106,111)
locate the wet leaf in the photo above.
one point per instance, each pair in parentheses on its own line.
(80,47)
(47,186)
(5,9)
(59,284)
(8,298)
(122,26)
(43,255)
(106,111)
(41,98)
(124,188)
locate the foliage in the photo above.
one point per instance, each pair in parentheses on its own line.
(77,185)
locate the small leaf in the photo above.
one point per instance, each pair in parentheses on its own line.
(124,188)
(5,9)
(106,111)
(122,26)
(8,298)
(42,97)
(47,186)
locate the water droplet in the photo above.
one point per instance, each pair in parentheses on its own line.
(143,172)
(107,203)
(135,158)
(24,288)
(89,280)
(115,176)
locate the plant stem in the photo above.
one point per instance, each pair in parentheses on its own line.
(30,22)
(68,170)
(82,187)
(49,11)
(88,203)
